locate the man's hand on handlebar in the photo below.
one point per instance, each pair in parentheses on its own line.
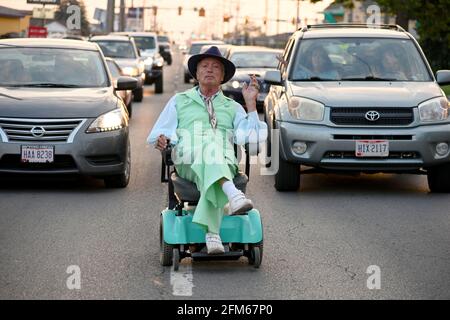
(162,142)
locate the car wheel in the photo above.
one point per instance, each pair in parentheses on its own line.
(287,177)
(187,78)
(159,84)
(439,178)
(138,94)
(120,180)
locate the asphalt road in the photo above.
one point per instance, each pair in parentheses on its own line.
(319,242)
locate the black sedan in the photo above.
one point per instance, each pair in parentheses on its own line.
(250,60)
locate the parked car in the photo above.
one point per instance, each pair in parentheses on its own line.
(195,48)
(124,51)
(147,43)
(126,95)
(59,111)
(250,60)
(357,98)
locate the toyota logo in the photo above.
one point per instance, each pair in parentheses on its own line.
(372,115)
(37,132)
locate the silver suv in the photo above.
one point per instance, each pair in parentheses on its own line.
(358,98)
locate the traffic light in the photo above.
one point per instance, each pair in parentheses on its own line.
(265,21)
(246,20)
(226,18)
(155,10)
(201,12)
(180,9)
(293,21)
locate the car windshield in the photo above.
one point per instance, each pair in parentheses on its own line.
(163,39)
(117,49)
(255,59)
(195,48)
(46,67)
(145,43)
(358,59)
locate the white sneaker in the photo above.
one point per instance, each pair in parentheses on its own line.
(214,244)
(239,204)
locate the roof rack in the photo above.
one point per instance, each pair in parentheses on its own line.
(353,25)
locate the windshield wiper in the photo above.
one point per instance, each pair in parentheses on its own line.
(367,78)
(46,85)
(315,79)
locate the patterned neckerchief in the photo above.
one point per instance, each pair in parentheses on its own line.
(209,107)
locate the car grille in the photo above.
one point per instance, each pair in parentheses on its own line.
(351,155)
(45,130)
(357,116)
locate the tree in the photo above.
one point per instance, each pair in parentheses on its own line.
(61,14)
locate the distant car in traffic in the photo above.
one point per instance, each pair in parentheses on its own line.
(250,60)
(165,52)
(148,45)
(116,73)
(124,51)
(59,111)
(165,48)
(195,48)
(223,48)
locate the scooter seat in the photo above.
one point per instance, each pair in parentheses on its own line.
(187,191)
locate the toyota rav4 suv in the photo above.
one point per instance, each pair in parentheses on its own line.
(358,98)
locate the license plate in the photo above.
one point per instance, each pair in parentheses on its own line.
(372,148)
(38,154)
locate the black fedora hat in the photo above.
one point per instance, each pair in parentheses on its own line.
(212,52)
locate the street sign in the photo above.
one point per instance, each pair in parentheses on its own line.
(37,32)
(44,1)
(44,13)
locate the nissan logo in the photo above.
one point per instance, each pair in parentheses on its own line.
(372,115)
(37,132)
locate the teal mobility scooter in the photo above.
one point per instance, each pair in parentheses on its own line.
(242,235)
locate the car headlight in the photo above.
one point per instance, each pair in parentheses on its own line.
(306,109)
(159,62)
(131,71)
(434,110)
(148,62)
(110,121)
(235,84)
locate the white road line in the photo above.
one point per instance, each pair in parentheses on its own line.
(182,281)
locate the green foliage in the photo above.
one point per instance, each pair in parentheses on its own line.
(61,14)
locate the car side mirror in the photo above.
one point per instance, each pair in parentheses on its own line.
(273,77)
(126,83)
(443,77)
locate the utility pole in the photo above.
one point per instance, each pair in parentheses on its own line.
(298,9)
(122,16)
(278,16)
(266,16)
(110,16)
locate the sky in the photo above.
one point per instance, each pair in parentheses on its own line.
(183,26)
